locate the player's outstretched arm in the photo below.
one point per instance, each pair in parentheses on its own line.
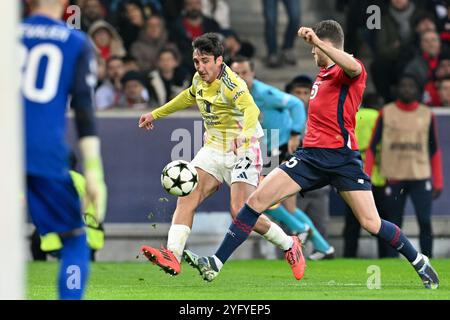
(350,66)
(184,99)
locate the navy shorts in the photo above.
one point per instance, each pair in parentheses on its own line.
(54,205)
(314,168)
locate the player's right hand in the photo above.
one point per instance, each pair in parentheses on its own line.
(308,35)
(146,121)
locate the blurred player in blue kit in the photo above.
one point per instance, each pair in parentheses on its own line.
(59,67)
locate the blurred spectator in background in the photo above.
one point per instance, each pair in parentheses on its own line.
(431,91)
(131,20)
(107,41)
(92,11)
(130,64)
(109,94)
(444,91)
(234,46)
(410,158)
(288,55)
(423,22)
(315,202)
(135,95)
(424,64)
(168,80)
(366,118)
(300,87)
(393,46)
(190,25)
(152,39)
(217,10)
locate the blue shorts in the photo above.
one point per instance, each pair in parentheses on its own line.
(54,205)
(314,168)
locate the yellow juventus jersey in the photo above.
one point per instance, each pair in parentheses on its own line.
(227,108)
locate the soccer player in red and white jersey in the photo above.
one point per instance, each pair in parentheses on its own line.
(329,156)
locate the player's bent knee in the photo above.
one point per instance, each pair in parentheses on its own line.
(371,225)
(256,202)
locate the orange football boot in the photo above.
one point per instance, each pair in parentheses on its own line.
(164,258)
(295,258)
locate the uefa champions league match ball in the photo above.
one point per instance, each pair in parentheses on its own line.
(179,178)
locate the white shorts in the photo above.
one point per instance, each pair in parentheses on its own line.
(228,167)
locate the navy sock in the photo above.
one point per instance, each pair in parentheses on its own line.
(239,230)
(74,268)
(392,234)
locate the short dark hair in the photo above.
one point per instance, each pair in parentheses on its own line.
(421,16)
(129,58)
(331,30)
(300,81)
(132,75)
(112,58)
(241,59)
(171,50)
(209,43)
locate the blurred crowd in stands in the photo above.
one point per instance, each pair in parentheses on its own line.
(414,38)
(144,46)
(145,56)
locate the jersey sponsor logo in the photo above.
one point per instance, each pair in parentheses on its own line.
(200,93)
(406,146)
(237,95)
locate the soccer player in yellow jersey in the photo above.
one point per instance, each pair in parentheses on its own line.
(231,150)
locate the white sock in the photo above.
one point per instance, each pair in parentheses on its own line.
(177,237)
(278,237)
(219,263)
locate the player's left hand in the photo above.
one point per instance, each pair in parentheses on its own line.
(308,35)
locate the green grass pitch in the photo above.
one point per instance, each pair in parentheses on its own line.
(251,279)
